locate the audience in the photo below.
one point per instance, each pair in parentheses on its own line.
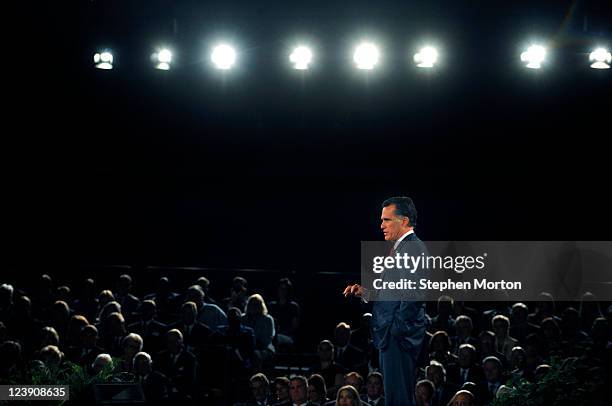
(181,347)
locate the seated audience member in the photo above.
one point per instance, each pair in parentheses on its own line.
(77,322)
(112,331)
(6,302)
(60,318)
(281,391)
(436,373)
(51,356)
(533,351)
(178,365)
(204,283)
(353,379)
(488,348)
(503,342)
(48,336)
(348,396)
(195,334)
(108,308)
(63,293)
(104,297)
(240,340)
(553,342)
(461,309)
(298,391)
(87,349)
(287,314)
(520,327)
(317,391)
(87,303)
(467,368)
(262,323)
(129,303)
(518,363)
(208,313)
(165,300)
(424,392)
(571,332)
(238,294)
(601,348)
(101,362)
(541,371)
(444,321)
(350,357)
(328,368)
(11,362)
(463,398)
(131,345)
(589,310)
(260,391)
(493,372)
(361,337)
(151,330)
(374,395)
(545,307)
(24,328)
(439,349)
(154,384)
(463,328)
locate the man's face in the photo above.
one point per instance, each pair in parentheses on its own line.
(423,395)
(282,392)
(491,371)
(354,382)
(435,375)
(465,358)
(142,366)
(462,400)
(392,226)
(374,387)
(326,353)
(297,391)
(258,388)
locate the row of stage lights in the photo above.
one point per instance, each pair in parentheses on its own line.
(366,56)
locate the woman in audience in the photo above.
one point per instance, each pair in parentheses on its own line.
(257,317)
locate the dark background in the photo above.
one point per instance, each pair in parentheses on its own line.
(268,168)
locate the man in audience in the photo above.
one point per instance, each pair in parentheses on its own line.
(328,368)
(424,392)
(347,355)
(467,368)
(86,352)
(493,372)
(151,330)
(374,395)
(503,342)
(154,384)
(444,391)
(129,303)
(281,391)
(464,328)
(179,365)
(298,391)
(260,390)
(195,334)
(208,313)
(444,320)
(132,345)
(520,327)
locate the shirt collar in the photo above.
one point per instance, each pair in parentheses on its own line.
(402,238)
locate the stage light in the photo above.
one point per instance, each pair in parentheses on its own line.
(534,56)
(103,60)
(162,59)
(223,56)
(301,58)
(426,57)
(366,56)
(601,58)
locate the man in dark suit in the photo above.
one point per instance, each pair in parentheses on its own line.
(178,365)
(154,384)
(398,326)
(195,334)
(374,395)
(467,369)
(151,330)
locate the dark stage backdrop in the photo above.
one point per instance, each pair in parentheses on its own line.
(267,169)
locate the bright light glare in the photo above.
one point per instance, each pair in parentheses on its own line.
(223,56)
(300,58)
(366,56)
(103,60)
(601,58)
(534,56)
(163,59)
(426,57)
